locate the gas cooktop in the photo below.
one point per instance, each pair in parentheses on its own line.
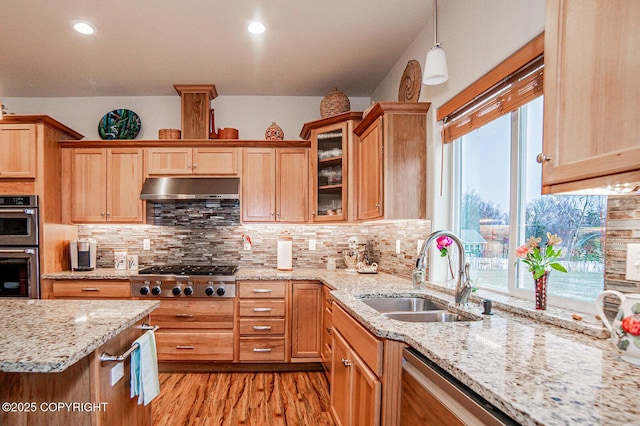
(189,270)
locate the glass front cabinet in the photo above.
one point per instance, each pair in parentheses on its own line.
(332,166)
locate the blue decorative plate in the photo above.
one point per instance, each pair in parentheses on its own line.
(119,124)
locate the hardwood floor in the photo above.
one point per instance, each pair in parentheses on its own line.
(262,398)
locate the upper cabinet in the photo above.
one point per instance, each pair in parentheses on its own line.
(331,173)
(18,147)
(275,185)
(192,161)
(103,184)
(390,161)
(592,94)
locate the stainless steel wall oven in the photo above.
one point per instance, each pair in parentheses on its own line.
(19,239)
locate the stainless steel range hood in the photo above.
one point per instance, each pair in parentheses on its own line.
(158,189)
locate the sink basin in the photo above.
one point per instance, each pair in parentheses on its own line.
(403,304)
(427,316)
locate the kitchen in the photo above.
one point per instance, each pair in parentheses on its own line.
(512,29)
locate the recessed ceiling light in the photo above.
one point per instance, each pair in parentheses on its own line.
(256,28)
(83,28)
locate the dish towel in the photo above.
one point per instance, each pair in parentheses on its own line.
(144,369)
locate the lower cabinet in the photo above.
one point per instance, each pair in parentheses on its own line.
(86,289)
(306,321)
(356,370)
(327,324)
(194,330)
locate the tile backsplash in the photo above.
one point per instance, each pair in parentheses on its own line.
(199,232)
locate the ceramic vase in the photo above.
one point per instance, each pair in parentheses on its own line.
(274,132)
(541,291)
(625,329)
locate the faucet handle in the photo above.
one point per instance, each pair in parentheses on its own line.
(418,278)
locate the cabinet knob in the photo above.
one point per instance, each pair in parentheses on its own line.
(377,204)
(541,158)
(313,213)
(108,213)
(195,165)
(278,214)
(346,362)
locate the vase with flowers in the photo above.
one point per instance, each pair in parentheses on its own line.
(541,260)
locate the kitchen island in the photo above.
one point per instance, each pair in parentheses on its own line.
(50,372)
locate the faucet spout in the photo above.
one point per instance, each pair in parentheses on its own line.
(463,283)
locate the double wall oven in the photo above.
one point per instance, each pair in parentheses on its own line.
(19,240)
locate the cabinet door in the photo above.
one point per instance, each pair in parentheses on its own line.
(365,394)
(292,185)
(169,161)
(88,185)
(258,200)
(329,173)
(592,92)
(18,148)
(369,172)
(124,182)
(340,380)
(215,161)
(306,320)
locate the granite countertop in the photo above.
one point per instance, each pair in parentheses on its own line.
(48,336)
(537,367)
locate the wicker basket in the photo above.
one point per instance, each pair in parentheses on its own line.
(169,134)
(334,103)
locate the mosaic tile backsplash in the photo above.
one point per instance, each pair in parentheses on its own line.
(198,233)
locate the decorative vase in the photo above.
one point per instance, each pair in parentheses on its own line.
(541,291)
(274,132)
(625,329)
(334,103)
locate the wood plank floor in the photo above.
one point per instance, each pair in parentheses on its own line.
(262,398)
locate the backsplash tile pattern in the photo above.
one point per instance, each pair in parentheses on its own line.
(205,233)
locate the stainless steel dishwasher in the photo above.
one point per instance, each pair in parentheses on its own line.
(431,396)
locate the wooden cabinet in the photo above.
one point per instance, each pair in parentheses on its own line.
(391,156)
(192,161)
(306,321)
(18,147)
(262,321)
(195,109)
(332,171)
(103,184)
(88,289)
(592,94)
(275,185)
(195,330)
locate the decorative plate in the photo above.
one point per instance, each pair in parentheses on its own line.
(410,83)
(119,124)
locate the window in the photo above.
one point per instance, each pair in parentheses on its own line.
(500,205)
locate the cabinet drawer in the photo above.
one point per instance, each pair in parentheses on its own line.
(262,349)
(91,289)
(194,345)
(328,298)
(261,308)
(367,346)
(194,314)
(262,289)
(262,326)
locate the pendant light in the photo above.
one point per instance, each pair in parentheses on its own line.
(435,66)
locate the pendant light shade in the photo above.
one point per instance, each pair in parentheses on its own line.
(435,66)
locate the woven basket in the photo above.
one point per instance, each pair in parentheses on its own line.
(169,134)
(334,103)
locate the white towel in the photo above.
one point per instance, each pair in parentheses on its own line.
(144,369)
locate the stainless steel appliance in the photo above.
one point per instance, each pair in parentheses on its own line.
(83,254)
(19,262)
(432,396)
(211,281)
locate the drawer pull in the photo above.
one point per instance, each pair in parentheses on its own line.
(261,309)
(262,290)
(346,362)
(262,349)
(184,315)
(262,327)
(90,289)
(184,347)
(330,301)
(329,330)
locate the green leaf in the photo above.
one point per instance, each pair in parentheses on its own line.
(558,267)
(538,273)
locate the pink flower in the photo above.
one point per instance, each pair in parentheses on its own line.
(522,251)
(443,242)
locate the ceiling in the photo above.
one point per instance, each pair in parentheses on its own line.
(144,47)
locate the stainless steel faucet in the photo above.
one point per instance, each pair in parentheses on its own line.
(463,285)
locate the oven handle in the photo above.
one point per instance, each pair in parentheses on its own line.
(27,251)
(25,211)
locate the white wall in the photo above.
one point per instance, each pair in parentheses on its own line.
(477,35)
(251,115)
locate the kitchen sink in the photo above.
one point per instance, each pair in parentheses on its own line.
(428,316)
(403,304)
